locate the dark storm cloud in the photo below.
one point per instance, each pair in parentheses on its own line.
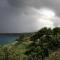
(17,3)
(54,4)
(13,16)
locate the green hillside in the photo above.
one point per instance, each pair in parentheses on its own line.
(41,45)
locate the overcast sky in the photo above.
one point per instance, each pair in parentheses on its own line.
(18,16)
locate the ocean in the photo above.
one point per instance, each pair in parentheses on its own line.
(4,39)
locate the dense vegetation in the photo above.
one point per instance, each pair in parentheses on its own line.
(41,45)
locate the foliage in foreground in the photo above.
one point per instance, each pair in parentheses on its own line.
(42,45)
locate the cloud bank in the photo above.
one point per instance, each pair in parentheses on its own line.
(18,16)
